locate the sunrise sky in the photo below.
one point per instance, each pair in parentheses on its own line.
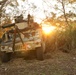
(42,9)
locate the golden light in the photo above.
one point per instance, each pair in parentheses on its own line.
(24,46)
(47,29)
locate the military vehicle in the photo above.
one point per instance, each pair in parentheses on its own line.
(22,37)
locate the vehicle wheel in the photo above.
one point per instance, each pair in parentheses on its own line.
(0,40)
(43,46)
(39,53)
(5,57)
(41,50)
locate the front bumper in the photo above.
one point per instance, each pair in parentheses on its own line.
(30,45)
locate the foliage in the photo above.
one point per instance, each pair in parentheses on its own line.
(6,20)
(61,39)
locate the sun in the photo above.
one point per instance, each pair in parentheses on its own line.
(47,29)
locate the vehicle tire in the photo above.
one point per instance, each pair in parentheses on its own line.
(41,50)
(0,40)
(44,46)
(39,53)
(5,57)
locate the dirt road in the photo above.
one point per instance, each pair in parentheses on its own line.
(55,63)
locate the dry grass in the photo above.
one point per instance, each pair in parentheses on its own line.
(55,63)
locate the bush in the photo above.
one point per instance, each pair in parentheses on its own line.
(63,40)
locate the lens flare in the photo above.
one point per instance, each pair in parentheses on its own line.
(48,29)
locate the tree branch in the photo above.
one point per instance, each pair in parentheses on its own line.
(64,12)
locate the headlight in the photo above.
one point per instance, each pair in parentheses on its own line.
(3,47)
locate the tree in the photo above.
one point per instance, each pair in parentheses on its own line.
(67,16)
(64,7)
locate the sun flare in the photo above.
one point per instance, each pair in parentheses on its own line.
(48,29)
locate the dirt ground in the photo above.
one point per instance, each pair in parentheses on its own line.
(55,63)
